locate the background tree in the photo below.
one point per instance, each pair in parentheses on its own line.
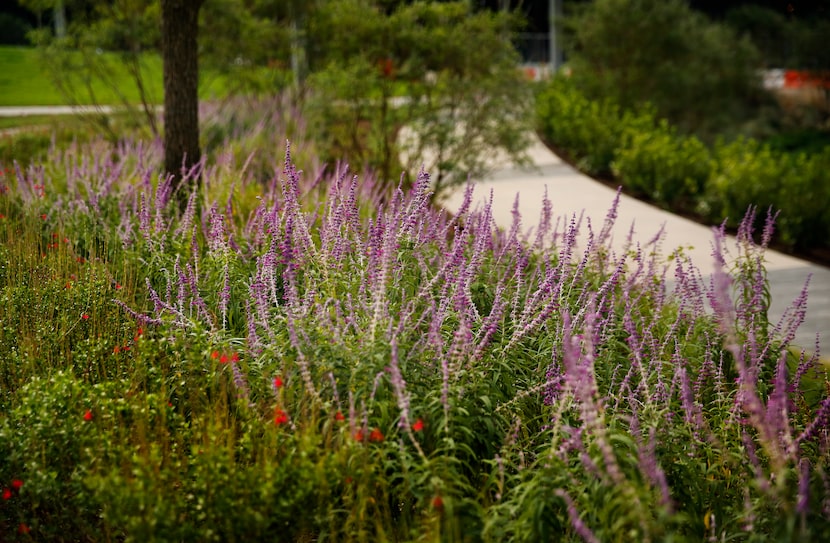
(698,74)
(396,85)
(180,56)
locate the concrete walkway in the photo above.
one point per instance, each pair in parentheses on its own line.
(572,192)
(26,111)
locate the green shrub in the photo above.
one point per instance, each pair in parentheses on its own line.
(588,130)
(751,173)
(660,164)
(697,73)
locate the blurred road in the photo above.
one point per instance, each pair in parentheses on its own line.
(572,192)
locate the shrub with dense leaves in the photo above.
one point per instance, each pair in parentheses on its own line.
(660,164)
(651,159)
(311,358)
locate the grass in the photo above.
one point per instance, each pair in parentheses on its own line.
(25,80)
(311,356)
(28,121)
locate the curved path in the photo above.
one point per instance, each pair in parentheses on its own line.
(572,192)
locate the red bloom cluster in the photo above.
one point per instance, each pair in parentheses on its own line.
(224,358)
(418,426)
(88,415)
(10,491)
(280,416)
(375,436)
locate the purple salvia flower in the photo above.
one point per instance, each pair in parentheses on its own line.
(187,220)
(650,467)
(777,407)
(137,316)
(802,504)
(243,392)
(804,365)
(691,409)
(144,221)
(225,296)
(554,381)
(399,386)
(302,363)
(254,345)
(578,526)
(819,423)
(491,323)
(544,222)
(751,453)
(217,237)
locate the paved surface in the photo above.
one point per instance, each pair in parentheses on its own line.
(25,111)
(572,192)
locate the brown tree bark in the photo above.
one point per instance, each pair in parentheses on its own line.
(180,58)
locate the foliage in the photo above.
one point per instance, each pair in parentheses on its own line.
(652,159)
(589,131)
(662,165)
(696,73)
(785,42)
(303,358)
(77,66)
(381,89)
(796,183)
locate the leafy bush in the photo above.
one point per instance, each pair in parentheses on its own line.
(751,173)
(664,166)
(696,73)
(302,359)
(652,159)
(590,131)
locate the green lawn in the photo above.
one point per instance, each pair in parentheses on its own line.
(25,81)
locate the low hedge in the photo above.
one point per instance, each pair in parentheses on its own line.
(681,173)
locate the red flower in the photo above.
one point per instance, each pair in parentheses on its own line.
(235,357)
(22,529)
(437,503)
(280,416)
(85,317)
(358,435)
(376,435)
(7,493)
(223,359)
(43,216)
(418,426)
(339,416)
(88,415)
(118,286)
(16,484)
(116,350)
(278,382)
(214,355)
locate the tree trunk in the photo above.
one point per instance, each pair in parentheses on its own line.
(179,29)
